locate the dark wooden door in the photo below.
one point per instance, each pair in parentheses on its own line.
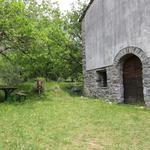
(132,80)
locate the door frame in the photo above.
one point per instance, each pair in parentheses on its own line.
(118,70)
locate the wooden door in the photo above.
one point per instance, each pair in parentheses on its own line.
(132,80)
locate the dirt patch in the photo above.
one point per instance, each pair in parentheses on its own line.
(94,145)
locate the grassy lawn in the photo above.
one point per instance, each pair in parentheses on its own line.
(59,121)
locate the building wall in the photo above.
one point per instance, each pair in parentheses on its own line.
(115,89)
(111,25)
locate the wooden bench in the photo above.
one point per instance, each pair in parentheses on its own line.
(21,95)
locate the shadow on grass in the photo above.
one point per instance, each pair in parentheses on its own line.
(30,99)
(132,104)
(73,89)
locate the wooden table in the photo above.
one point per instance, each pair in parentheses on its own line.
(7,90)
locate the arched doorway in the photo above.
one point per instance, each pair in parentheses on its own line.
(133,80)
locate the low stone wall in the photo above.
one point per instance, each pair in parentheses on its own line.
(115,90)
(92,88)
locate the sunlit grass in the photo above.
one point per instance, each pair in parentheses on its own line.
(59,121)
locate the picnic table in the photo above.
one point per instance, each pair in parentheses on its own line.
(7,90)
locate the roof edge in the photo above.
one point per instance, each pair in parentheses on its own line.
(84,12)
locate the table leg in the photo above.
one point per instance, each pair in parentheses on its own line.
(6,95)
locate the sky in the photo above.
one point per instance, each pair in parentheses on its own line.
(65,4)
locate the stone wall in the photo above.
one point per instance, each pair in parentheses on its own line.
(112,92)
(145,67)
(115,90)
(90,29)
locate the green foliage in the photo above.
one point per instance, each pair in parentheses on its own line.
(10,74)
(40,78)
(39,41)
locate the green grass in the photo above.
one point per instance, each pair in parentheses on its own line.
(59,121)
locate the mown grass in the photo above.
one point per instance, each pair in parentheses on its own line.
(60,121)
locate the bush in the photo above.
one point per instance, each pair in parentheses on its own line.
(10,74)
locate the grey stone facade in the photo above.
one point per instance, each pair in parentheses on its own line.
(111,30)
(115,89)
(112,25)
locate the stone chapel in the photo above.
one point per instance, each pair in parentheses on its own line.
(116,50)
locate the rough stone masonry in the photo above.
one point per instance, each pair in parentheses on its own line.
(116,50)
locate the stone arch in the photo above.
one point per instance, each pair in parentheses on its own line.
(130,50)
(118,69)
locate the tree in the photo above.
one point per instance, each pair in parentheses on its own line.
(39,41)
(74,45)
